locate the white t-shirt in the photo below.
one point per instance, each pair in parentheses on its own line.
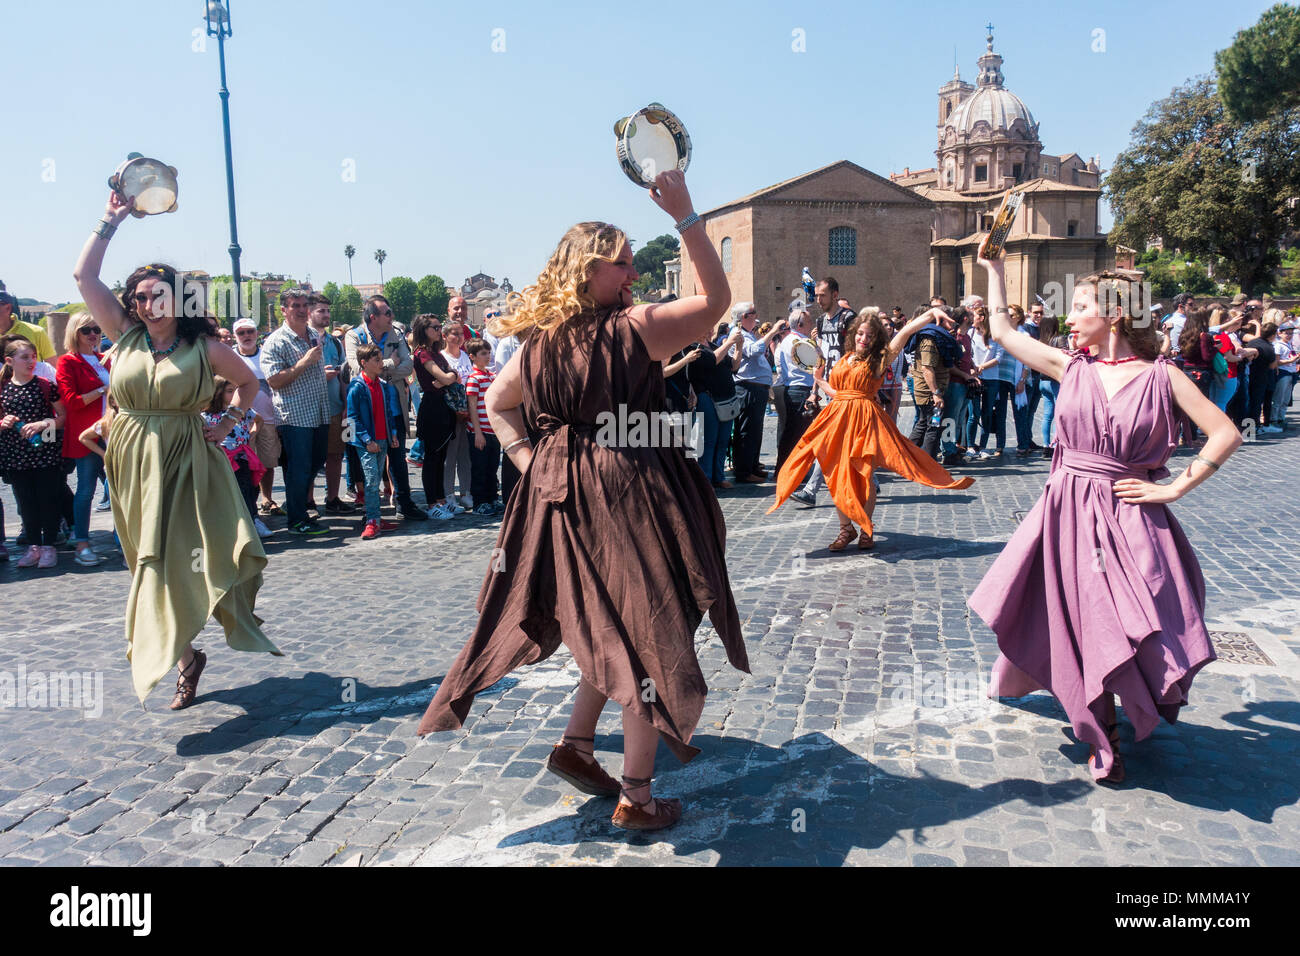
(462,365)
(93,361)
(1286,354)
(505,348)
(263,404)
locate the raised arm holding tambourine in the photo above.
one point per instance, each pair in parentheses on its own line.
(1098,593)
(609,544)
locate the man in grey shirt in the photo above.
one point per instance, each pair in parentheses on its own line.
(755,376)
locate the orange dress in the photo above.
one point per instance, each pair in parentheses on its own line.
(851,438)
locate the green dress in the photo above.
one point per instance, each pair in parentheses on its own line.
(186,532)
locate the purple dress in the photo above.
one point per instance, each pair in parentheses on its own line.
(1094,595)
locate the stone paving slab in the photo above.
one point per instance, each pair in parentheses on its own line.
(861,737)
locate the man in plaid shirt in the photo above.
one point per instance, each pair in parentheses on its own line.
(294,368)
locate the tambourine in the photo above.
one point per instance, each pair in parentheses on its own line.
(150,182)
(651,141)
(805,354)
(992,247)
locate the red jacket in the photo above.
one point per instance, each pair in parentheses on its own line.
(75,377)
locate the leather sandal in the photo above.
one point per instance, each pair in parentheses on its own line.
(633,815)
(187,685)
(841,542)
(566,763)
(865,541)
(1116,775)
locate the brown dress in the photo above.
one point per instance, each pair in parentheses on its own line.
(618,552)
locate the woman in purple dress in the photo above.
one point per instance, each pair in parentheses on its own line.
(1098,592)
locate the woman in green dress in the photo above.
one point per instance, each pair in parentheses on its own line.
(186,534)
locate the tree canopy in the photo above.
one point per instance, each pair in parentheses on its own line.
(1260,73)
(401,295)
(649,261)
(346,306)
(1207,185)
(431,296)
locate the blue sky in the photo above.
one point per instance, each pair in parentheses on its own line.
(467,159)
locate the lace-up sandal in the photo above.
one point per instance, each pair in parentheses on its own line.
(634,816)
(187,685)
(841,542)
(566,762)
(865,541)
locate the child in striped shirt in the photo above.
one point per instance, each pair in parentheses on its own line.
(485,453)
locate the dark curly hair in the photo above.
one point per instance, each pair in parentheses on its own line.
(877,341)
(188,327)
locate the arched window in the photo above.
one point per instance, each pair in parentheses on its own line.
(726,254)
(843,246)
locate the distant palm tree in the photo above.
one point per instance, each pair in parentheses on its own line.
(380,256)
(350,251)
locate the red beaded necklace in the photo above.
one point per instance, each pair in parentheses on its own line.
(1131,358)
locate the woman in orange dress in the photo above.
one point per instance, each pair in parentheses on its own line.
(852,436)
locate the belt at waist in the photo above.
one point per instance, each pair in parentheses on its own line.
(1087,464)
(156,412)
(853,395)
(552,460)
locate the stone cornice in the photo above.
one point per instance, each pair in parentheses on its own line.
(833,205)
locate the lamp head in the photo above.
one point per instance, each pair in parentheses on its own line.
(218,18)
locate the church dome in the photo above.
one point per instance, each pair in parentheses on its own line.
(995,106)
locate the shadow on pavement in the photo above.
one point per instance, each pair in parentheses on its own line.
(808,802)
(1204,766)
(304,706)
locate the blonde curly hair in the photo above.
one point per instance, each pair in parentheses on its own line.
(560,292)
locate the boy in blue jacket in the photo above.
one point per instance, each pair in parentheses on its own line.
(375,414)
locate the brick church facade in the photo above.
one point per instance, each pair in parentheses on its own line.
(898,240)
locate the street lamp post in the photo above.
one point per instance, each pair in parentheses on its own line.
(218,23)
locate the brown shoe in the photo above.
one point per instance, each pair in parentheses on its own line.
(634,816)
(842,540)
(723,484)
(865,541)
(749,479)
(566,762)
(187,685)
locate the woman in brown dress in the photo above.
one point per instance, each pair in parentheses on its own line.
(616,551)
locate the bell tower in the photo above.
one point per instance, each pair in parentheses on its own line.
(951,95)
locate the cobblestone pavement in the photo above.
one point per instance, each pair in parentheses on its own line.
(860,737)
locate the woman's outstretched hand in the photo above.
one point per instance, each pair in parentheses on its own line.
(669,194)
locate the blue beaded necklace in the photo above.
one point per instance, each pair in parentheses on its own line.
(164,353)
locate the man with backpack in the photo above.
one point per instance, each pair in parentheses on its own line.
(936,351)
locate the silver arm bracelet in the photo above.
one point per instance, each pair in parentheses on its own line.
(686,223)
(104,229)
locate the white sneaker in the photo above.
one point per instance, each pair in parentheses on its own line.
(86,557)
(262,530)
(104,506)
(441,513)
